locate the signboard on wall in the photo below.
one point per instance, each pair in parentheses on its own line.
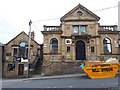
(116,45)
(68,41)
(44,45)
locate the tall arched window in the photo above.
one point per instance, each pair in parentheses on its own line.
(22,49)
(107,46)
(53,45)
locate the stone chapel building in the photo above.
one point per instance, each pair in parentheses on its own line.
(16,56)
(78,38)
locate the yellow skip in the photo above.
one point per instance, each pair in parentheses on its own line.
(107,69)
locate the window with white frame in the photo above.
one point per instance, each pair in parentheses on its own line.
(107,46)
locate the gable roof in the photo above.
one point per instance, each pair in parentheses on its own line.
(83,8)
(19,35)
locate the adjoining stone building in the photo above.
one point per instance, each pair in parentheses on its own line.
(1,58)
(78,38)
(16,56)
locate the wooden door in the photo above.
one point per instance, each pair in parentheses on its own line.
(21,69)
(80,50)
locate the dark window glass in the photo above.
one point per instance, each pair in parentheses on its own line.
(83,29)
(30,66)
(11,67)
(75,29)
(79,13)
(92,49)
(15,52)
(53,45)
(27,53)
(107,46)
(8,54)
(68,48)
(22,49)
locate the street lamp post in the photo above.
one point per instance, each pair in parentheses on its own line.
(29,47)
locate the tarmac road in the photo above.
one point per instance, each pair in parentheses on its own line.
(71,82)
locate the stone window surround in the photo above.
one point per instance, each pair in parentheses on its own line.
(79,29)
(107,43)
(18,51)
(51,43)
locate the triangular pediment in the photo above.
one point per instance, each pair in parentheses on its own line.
(85,14)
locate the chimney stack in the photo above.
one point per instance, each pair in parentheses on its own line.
(32,34)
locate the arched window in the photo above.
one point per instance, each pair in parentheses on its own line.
(107,46)
(53,45)
(22,49)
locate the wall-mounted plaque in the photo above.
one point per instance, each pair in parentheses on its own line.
(68,41)
(44,45)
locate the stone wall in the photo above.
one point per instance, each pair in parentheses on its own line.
(8,59)
(13,74)
(61,67)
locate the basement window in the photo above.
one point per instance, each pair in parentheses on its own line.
(11,67)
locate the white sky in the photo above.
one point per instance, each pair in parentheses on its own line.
(16,14)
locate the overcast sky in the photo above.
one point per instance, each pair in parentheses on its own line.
(16,14)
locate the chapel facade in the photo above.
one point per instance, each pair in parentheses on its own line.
(78,38)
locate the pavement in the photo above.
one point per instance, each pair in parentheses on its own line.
(38,77)
(35,77)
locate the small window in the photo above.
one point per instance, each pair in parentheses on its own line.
(68,48)
(8,54)
(27,53)
(83,29)
(75,29)
(30,66)
(15,52)
(92,49)
(11,67)
(79,13)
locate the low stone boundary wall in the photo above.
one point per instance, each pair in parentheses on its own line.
(58,67)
